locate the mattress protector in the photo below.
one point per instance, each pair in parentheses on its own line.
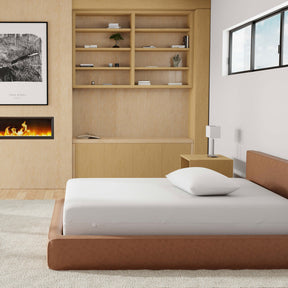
(153,206)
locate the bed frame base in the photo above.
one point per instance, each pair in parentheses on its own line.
(163,252)
(178,252)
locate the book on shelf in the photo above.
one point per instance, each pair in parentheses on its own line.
(91,46)
(178,46)
(142,82)
(175,83)
(186,41)
(88,136)
(114,26)
(86,65)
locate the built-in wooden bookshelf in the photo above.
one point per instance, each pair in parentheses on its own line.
(143,126)
(138,29)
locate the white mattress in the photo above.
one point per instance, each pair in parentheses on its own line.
(153,206)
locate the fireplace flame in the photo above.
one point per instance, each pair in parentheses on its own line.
(24,131)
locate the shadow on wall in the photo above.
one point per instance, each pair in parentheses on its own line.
(239,165)
(239,168)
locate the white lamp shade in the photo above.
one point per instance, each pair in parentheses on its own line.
(213,131)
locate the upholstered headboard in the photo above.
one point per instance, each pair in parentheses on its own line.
(268,171)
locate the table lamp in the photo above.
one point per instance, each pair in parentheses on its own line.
(212,132)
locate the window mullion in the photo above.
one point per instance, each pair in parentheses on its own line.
(281,38)
(252,56)
(230,53)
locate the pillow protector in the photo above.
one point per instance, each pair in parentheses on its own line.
(202,181)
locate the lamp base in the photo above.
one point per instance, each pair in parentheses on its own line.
(212,156)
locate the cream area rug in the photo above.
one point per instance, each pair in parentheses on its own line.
(23,238)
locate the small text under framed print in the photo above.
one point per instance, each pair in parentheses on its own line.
(23,63)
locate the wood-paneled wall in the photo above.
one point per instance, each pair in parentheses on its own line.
(109,112)
(199,102)
(47,164)
(43,164)
(189,108)
(139,4)
(128,159)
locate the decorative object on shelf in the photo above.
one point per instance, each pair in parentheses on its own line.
(86,65)
(142,82)
(178,46)
(88,136)
(117,65)
(176,60)
(117,37)
(186,41)
(24,68)
(114,26)
(212,132)
(149,46)
(110,65)
(92,82)
(91,46)
(175,83)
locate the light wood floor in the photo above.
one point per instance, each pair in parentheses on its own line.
(32,194)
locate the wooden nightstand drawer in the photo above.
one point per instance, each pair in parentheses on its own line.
(220,164)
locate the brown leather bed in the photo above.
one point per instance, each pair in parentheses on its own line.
(178,252)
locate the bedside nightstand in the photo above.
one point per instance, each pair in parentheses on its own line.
(220,164)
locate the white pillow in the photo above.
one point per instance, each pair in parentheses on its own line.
(202,181)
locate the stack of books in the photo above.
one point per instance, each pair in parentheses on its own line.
(113,26)
(175,83)
(178,46)
(186,41)
(90,46)
(142,82)
(86,65)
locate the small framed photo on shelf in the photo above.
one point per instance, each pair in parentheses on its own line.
(23,63)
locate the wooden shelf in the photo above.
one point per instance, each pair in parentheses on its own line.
(133,140)
(162,86)
(101,30)
(162,49)
(100,86)
(132,86)
(101,13)
(162,30)
(102,49)
(162,68)
(102,68)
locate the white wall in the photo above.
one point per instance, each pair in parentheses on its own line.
(251,108)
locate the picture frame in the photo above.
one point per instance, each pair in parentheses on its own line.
(23,63)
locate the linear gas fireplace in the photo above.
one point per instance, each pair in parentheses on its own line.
(26,128)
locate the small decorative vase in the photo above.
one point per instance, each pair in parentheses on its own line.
(176,60)
(116,44)
(176,63)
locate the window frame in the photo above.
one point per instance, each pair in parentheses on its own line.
(252,47)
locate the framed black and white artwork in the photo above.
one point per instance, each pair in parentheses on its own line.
(23,63)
